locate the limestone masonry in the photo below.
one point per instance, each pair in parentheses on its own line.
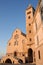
(27,48)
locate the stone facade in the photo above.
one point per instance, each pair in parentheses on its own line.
(27,48)
(38,34)
(16,47)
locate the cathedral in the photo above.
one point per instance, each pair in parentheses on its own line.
(27,48)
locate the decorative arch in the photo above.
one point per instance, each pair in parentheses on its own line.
(8,61)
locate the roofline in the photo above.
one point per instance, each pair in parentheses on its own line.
(30,7)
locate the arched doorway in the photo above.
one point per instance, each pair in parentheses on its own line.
(8,61)
(30,55)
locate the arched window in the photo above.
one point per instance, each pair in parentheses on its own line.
(39,54)
(15,53)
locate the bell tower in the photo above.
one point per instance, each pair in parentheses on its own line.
(29,27)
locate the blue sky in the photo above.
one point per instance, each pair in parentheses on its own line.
(12,16)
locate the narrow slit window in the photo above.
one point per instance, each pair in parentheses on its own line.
(39,54)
